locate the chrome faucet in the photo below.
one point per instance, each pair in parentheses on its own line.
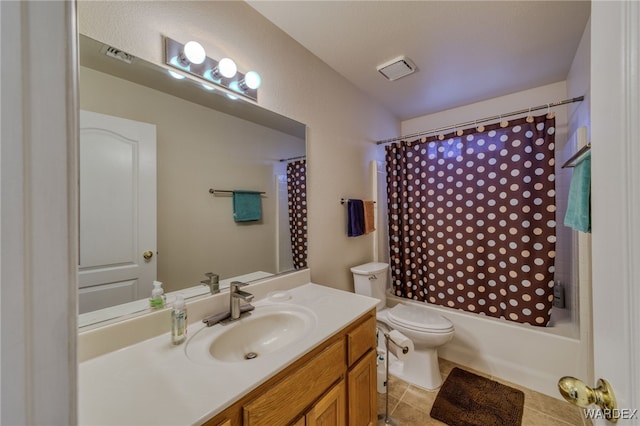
(235,296)
(235,310)
(212,282)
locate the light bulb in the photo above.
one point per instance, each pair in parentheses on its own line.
(227,67)
(252,80)
(194,52)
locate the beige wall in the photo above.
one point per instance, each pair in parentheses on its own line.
(342,122)
(197,149)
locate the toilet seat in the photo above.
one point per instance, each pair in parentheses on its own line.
(417,319)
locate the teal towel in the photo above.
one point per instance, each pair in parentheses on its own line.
(247,206)
(578,214)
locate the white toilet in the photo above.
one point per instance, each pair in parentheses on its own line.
(427,330)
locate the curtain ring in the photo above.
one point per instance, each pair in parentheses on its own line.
(550,114)
(529,116)
(479,128)
(503,123)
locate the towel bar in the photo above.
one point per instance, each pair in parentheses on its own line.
(342,201)
(571,162)
(227,191)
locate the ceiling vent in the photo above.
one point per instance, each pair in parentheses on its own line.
(117,54)
(397,68)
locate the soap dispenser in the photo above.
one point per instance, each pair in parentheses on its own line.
(178,321)
(158,299)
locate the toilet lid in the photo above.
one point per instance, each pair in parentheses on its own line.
(370,268)
(419,319)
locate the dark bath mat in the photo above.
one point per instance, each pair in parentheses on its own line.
(466,399)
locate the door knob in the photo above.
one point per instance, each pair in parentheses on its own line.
(147,255)
(577,392)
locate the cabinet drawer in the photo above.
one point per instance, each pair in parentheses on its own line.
(361,339)
(284,402)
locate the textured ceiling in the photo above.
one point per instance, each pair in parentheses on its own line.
(465,51)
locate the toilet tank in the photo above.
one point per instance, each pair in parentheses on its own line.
(370,280)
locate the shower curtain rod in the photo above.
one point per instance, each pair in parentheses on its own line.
(300,157)
(482,120)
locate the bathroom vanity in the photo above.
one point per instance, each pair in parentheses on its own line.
(333,383)
(321,368)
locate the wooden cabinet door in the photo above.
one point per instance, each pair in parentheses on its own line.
(362,392)
(287,399)
(330,409)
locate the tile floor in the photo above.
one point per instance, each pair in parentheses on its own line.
(410,405)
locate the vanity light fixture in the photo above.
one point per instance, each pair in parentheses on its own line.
(192,59)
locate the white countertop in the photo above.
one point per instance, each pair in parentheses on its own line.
(153,382)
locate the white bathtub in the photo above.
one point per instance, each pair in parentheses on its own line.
(533,357)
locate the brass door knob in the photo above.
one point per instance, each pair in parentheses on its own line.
(577,392)
(147,255)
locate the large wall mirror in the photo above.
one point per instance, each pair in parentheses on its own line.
(152,147)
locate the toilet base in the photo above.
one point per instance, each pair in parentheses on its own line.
(420,369)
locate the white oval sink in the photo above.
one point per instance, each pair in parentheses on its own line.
(267,330)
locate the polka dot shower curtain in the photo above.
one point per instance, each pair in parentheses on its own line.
(297,194)
(472,220)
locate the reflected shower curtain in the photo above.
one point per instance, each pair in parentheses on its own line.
(297,195)
(472,220)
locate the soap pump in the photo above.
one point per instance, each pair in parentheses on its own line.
(158,299)
(178,321)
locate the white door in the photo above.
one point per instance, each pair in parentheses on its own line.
(615,108)
(117,210)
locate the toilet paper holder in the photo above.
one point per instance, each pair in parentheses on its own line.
(386,419)
(388,338)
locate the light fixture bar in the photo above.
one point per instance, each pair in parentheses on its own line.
(173,50)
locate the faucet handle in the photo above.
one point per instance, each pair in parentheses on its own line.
(236,284)
(213,277)
(212,282)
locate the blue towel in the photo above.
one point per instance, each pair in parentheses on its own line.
(355,219)
(247,206)
(578,214)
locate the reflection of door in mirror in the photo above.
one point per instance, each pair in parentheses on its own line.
(117,210)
